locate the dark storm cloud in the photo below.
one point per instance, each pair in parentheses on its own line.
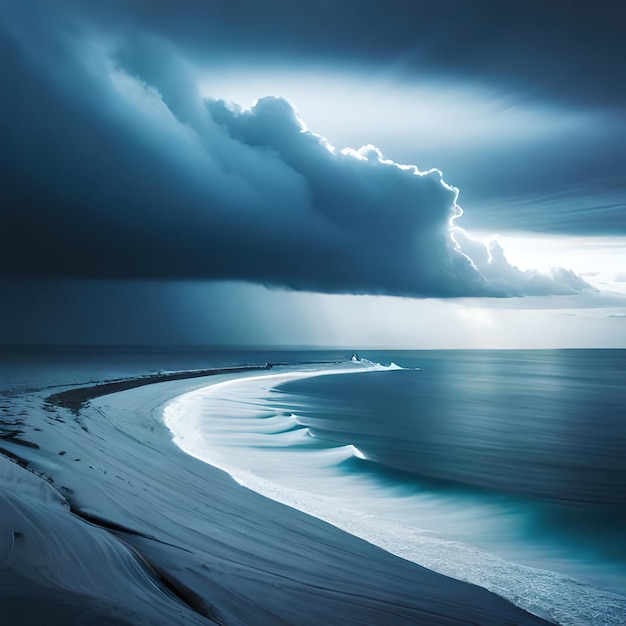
(541,47)
(113,167)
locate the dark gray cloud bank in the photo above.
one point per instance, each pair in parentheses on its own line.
(113,167)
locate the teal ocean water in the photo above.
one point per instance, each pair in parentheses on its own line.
(503,468)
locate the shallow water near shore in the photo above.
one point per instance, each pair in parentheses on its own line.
(503,468)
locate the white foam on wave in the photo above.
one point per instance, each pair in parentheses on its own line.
(217,425)
(357,453)
(335,455)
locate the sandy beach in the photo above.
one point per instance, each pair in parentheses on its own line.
(106,521)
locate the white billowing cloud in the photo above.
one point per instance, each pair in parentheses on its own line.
(396,207)
(490,260)
(123,170)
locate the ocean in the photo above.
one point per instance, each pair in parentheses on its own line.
(506,469)
(502,468)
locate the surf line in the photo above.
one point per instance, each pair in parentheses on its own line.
(185,429)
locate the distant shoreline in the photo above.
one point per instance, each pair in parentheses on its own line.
(74,399)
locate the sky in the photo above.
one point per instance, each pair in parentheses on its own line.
(402,174)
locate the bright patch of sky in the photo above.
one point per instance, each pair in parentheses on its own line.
(601,261)
(353,108)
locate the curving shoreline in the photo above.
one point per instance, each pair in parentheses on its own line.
(75,398)
(266,446)
(238,557)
